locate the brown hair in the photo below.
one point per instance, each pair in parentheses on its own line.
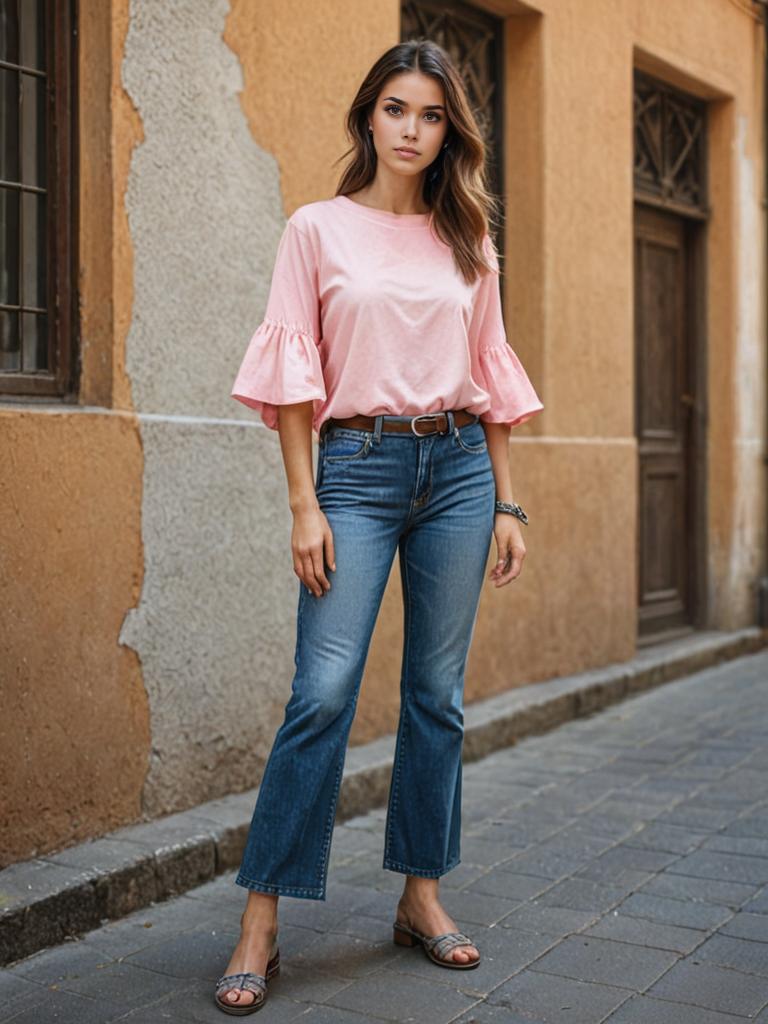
(455,183)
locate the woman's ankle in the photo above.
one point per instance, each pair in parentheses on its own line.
(420,891)
(260,911)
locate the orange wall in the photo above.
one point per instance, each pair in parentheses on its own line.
(75,731)
(75,734)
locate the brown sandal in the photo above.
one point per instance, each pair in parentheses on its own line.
(435,946)
(247,981)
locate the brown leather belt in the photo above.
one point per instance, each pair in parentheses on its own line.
(434,422)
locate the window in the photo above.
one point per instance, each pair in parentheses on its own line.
(670,146)
(37,187)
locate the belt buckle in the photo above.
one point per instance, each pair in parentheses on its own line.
(428,416)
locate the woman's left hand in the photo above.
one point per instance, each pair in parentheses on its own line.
(510,548)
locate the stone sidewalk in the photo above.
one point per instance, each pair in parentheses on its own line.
(615,869)
(67,892)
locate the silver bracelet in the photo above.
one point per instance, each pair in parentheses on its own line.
(513,509)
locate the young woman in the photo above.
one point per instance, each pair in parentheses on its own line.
(383,332)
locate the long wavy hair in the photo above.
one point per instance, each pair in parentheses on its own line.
(455,184)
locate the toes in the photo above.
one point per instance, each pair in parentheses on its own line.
(468,953)
(235,995)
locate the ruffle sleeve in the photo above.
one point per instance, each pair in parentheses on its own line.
(282,363)
(513,398)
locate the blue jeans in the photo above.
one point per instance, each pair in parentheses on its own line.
(430,498)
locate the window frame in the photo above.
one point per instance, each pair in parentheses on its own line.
(58,381)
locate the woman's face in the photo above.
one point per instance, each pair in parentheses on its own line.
(410,113)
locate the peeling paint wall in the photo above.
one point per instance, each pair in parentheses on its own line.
(155,557)
(243,124)
(232,144)
(213,628)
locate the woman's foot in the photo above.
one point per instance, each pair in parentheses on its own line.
(258,928)
(419,907)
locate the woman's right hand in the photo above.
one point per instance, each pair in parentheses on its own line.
(312,546)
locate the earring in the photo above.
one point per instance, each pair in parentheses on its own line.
(445,145)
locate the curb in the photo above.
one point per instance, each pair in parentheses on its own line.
(47,899)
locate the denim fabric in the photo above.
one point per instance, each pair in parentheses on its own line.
(431,499)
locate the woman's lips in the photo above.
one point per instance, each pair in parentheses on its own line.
(407,154)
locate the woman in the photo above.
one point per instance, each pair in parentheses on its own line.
(383,332)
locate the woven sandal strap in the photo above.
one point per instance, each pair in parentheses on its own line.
(443,944)
(250,982)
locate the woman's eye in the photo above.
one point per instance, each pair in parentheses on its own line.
(394,107)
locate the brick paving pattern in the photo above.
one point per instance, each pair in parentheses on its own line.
(614,870)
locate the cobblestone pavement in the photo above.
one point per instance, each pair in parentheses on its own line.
(613,870)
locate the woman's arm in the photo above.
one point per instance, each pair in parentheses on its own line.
(506,528)
(311,538)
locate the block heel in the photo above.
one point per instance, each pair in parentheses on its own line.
(402,937)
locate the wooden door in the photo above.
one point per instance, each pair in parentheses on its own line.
(663,405)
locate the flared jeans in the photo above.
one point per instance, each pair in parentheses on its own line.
(429,498)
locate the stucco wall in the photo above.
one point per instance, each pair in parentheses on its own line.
(75,721)
(205,212)
(75,727)
(151,595)
(226,123)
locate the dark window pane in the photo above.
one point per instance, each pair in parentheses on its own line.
(33,130)
(33,250)
(10,356)
(38,56)
(9,125)
(32,33)
(9,32)
(34,342)
(9,246)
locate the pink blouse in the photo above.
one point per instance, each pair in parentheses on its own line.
(368,314)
